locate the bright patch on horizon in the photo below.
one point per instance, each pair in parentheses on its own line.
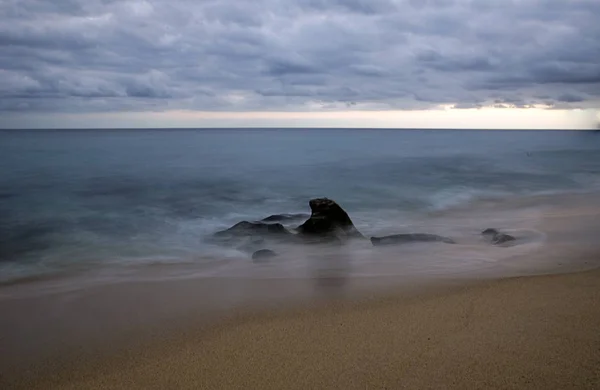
(476,118)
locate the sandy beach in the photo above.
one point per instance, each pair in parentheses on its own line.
(528,321)
(531,332)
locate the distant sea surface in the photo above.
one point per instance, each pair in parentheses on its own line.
(116,200)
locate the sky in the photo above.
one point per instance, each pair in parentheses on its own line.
(300,63)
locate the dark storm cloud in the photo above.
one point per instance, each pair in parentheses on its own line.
(284,67)
(570,98)
(101,55)
(369,7)
(462,63)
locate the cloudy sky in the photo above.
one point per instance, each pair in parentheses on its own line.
(341,63)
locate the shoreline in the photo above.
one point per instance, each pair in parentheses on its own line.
(537,225)
(53,337)
(525,332)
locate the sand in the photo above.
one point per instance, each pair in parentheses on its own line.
(528,332)
(486,329)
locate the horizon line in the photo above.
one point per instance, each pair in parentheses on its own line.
(289,128)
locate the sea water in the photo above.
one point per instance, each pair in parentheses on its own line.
(117,201)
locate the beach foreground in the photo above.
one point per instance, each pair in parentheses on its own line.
(527,332)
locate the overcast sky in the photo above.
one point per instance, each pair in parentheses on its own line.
(369,63)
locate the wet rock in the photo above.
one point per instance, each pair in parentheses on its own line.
(263,254)
(246,228)
(489,233)
(326,240)
(328,219)
(285,217)
(396,239)
(502,238)
(246,235)
(496,237)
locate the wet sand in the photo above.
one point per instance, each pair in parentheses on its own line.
(532,332)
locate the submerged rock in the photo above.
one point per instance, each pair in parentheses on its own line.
(496,237)
(251,244)
(285,217)
(502,238)
(396,239)
(328,219)
(263,254)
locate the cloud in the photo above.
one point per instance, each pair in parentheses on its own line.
(275,55)
(570,98)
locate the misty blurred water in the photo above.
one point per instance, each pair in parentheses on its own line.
(75,200)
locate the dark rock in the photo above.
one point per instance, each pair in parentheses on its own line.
(496,237)
(246,228)
(408,238)
(489,232)
(246,235)
(263,254)
(328,239)
(285,217)
(501,238)
(328,219)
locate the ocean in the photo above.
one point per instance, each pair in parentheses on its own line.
(115,202)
